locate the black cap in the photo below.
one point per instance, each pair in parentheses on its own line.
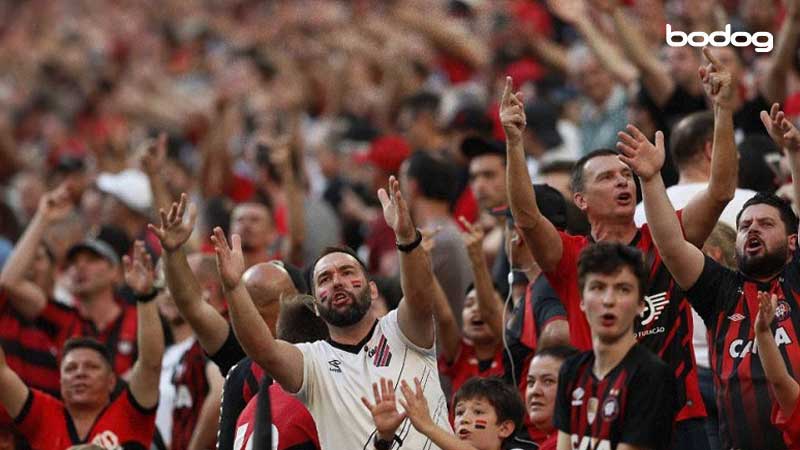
(474,146)
(471,118)
(96,246)
(550,202)
(542,118)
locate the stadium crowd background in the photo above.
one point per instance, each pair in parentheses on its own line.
(283,118)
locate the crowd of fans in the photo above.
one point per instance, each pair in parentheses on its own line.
(329,224)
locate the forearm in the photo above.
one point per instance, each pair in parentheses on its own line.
(27,298)
(552,53)
(607,55)
(209,325)
(252,333)
(297,223)
(161,196)
(794,167)
(774,86)
(149,336)
(416,278)
(447,330)
(13,391)
(785,387)
(488,301)
(540,235)
(447,36)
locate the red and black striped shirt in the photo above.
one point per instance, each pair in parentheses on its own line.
(728,302)
(191,388)
(634,404)
(665,328)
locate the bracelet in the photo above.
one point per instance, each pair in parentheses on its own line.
(146,298)
(382,444)
(407,248)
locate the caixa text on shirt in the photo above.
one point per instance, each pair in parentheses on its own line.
(589,443)
(739,347)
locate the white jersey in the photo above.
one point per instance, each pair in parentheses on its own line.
(335,379)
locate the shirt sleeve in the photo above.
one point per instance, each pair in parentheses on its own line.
(561,413)
(39,414)
(229,354)
(790,426)
(714,285)
(546,304)
(651,426)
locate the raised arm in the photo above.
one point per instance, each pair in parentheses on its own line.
(146,370)
(207,323)
(489,303)
(283,361)
(701,214)
(293,249)
(774,85)
(787,137)
(13,391)
(654,75)
(448,333)
(783,385)
(152,160)
(25,296)
(684,261)
(415,312)
(540,235)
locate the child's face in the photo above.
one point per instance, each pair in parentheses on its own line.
(476,423)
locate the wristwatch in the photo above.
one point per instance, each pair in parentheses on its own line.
(382,444)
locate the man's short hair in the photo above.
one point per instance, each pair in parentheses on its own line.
(327,251)
(435,176)
(608,258)
(297,321)
(422,102)
(788,217)
(689,137)
(503,397)
(90,343)
(723,237)
(577,182)
(559,352)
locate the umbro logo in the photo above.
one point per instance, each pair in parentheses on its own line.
(333,365)
(736,317)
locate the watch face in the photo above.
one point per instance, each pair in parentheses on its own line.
(380,444)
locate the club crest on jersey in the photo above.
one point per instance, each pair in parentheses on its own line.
(655,305)
(591,409)
(577,396)
(782,311)
(610,408)
(107,440)
(381,354)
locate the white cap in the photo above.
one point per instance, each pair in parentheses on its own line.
(130,186)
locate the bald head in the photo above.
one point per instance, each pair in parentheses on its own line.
(266,283)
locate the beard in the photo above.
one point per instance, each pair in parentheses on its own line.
(760,266)
(358,307)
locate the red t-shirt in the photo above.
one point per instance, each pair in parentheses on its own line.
(551,442)
(123,424)
(62,322)
(466,366)
(789,426)
(291,422)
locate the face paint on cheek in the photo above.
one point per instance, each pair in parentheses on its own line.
(323,294)
(480,424)
(356,284)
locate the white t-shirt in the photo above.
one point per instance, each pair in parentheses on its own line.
(166,388)
(680,195)
(334,380)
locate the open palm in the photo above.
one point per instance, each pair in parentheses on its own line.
(138,270)
(384,412)
(230,259)
(395,211)
(174,231)
(644,158)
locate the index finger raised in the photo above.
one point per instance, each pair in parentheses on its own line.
(506,91)
(711,58)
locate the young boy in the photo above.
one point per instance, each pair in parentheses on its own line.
(619,395)
(787,416)
(487,412)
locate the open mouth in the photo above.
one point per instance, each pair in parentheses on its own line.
(476,323)
(608,319)
(340,298)
(463,433)
(624,198)
(753,245)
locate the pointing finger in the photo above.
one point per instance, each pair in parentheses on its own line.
(711,58)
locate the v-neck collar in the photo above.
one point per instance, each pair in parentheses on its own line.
(354,348)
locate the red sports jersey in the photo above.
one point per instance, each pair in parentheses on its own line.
(292,424)
(124,424)
(728,303)
(665,326)
(191,388)
(62,322)
(466,365)
(633,404)
(551,442)
(789,426)
(30,352)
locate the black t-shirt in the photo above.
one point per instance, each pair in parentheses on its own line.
(747,119)
(728,303)
(229,354)
(634,404)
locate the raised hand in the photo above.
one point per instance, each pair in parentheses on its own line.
(230,259)
(428,235)
(766,311)
(644,158)
(384,412)
(153,157)
(55,205)
(717,81)
(472,237)
(174,231)
(780,129)
(512,113)
(416,406)
(139,273)
(570,11)
(395,211)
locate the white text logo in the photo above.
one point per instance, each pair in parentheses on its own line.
(762,40)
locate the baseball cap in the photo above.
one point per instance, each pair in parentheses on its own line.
(542,118)
(130,186)
(386,153)
(550,202)
(96,246)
